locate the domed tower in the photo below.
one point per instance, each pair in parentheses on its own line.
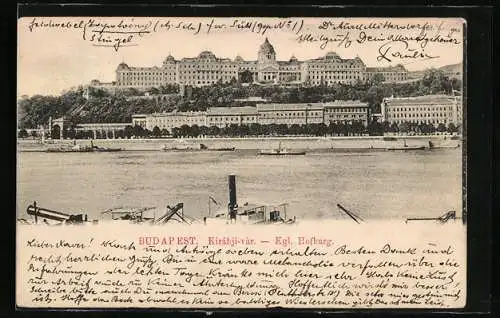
(122,66)
(266,52)
(121,70)
(238,59)
(169,60)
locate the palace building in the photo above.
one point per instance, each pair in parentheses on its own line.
(428,109)
(208,69)
(263,114)
(390,74)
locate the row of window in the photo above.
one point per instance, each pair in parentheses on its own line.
(335,65)
(395,78)
(316,82)
(223,123)
(322,72)
(313,74)
(296,114)
(247,118)
(348,110)
(194,82)
(348,116)
(177,120)
(147,84)
(289,69)
(336,77)
(140,78)
(424,121)
(212,66)
(412,115)
(418,108)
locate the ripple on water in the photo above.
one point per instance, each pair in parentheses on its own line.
(376,186)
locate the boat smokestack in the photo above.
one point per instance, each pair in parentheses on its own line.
(233,206)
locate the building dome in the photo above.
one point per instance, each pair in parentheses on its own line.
(266,47)
(400,67)
(267,54)
(331,55)
(293,59)
(122,66)
(206,55)
(169,59)
(238,59)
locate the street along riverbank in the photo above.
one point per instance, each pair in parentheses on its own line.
(255,143)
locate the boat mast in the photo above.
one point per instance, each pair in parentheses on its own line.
(233,206)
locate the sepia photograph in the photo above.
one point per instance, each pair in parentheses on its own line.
(208,162)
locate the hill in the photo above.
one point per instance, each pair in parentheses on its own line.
(453,70)
(103,107)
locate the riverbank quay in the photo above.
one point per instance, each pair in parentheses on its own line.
(253,143)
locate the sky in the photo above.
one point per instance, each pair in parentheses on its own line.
(54,58)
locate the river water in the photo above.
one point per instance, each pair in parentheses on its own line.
(374,185)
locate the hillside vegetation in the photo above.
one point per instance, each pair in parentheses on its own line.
(103,107)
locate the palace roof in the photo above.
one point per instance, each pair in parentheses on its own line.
(246,110)
(433,99)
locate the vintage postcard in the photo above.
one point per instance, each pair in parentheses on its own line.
(246,162)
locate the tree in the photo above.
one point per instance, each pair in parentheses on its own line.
(377,78)
(374,97)
(153,91)
(357,127)
(98,92)
(375,128)
(98,135)
(404,127)
(386,126)
(164,132)
(71,133)
(441,127)
(56,132)
(295,129)
(156,131)
(119,134)
(128,131)
(245,77)
(244,130)
(334,128)
(422,128)
(430,128)
(452,128)
(434,81)
(282,129)
(214,131)
(138,131)
(194,131)
(132,91)
(22,133)
(204,130)
(255,129)
(272,129)
(184,130)
(175,132)
(319,129)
